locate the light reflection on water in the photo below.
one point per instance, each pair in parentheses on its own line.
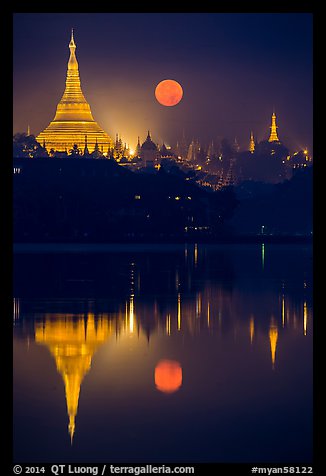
(215,347)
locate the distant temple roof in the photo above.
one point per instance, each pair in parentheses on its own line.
(148,144)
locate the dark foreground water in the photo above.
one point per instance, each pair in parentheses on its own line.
(163,354)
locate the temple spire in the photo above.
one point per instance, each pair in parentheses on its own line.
(273,135)
(86,151)
(252,143)
(138,148)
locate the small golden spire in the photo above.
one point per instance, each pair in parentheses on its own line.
(252,143)
(273,135)
(72,40)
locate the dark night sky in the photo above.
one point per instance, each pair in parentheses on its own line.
(234,68)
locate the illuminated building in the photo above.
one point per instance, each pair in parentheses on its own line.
(73,119)
(252,143)
(149,153)
(165,152)
(273,135)
(300,159)
(72,341)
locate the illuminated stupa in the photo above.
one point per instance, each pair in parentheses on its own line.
(73,120)
(273,135)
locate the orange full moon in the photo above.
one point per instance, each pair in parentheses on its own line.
(168,92)
(168,376)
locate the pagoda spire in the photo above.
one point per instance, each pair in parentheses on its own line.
(73,118)
(138,148)
(86,151)
(252,143)
(273,135)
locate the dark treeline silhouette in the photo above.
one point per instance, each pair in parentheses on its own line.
(27,146)
(100,201)
(267,164)
(276,209)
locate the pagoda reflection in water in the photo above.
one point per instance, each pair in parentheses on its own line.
(72,340)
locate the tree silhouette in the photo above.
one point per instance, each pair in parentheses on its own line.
(75,152)
(27,146)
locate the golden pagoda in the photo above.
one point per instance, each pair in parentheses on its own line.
(273,135)
(73,120)
(72,340)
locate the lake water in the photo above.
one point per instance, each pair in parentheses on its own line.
(185,353)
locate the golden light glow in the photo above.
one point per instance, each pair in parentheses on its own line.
(252,328)
(72,341)
(179,312)
(168,92)
(196,254)
(273,336)
(283,310)
(198,304)
(168,324)
(168,376)
(305,318)
(131,314)
(73,121)
(262,256)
